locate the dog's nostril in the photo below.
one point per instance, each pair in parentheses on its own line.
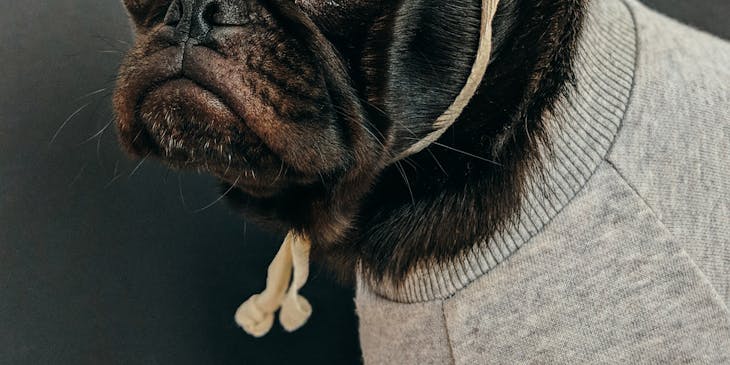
(217,13)
(211,13)
(205,15)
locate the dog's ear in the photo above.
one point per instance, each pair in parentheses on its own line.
(431,54)
(146,13)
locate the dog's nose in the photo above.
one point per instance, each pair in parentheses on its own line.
(205,15)
(196,18)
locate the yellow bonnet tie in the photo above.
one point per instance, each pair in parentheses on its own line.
(256,315)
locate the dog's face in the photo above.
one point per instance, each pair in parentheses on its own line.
(275,96)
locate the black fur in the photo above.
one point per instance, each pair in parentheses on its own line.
(383,71)
(437,204)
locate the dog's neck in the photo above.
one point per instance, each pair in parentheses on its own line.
(460,191)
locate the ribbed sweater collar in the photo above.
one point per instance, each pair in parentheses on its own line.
(581,131)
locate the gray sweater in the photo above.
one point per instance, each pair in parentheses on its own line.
(621,253)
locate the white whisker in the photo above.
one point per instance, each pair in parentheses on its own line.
(233,186)
(405,178)
(467,153)
(65,122)
(180,190)
(116,175)
(95,92)
(99,133)
(139,165)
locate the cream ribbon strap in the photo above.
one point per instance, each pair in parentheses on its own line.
(478,71)
(256,315)
(291,263)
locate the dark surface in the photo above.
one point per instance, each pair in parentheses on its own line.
(103,261)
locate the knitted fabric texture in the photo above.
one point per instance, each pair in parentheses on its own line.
(621,251)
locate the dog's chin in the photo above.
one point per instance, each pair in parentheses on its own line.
(188,124)
(189,127)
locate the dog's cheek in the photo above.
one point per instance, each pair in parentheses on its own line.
(146,14)
(138,10)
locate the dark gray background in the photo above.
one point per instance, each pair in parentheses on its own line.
(103,261)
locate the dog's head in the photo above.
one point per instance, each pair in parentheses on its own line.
(298,104)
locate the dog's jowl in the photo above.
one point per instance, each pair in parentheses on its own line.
(505,181)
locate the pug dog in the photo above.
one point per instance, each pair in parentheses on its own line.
(418,144)
(302,107)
